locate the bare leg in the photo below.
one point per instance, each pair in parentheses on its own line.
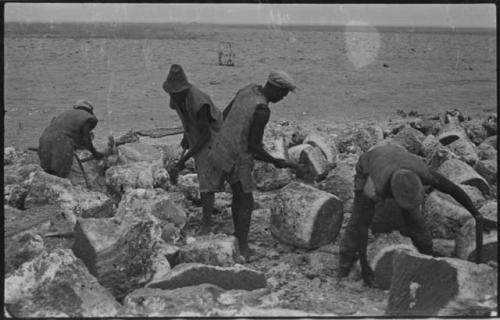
(207,204)
(354,240)
(242,217)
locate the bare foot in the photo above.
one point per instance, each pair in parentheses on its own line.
(247,254)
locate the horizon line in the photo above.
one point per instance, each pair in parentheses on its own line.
(252,24)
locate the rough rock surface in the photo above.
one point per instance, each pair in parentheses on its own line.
(380,254)
(465,243)
(488,170)
(48,189)
(340,182)
(136,152)
(267,177)
(486,152)
(426,286)
(444,247)
(465,150)
(492,141)
(155,204)
(121,179)
(475,131)
(228,278)
(327,147)
(490,210)
(57,283)
(306,217)
(188,184)
(122,255)
(315,163)
(217,250)
(295,152)
(429,145)
(147,302)
(21,248)
(459,172)
(15,195)
(451,132)
(443,216)
(411,139)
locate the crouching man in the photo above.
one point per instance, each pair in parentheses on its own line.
(67,132)
(391,172)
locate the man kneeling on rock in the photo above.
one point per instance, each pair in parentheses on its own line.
(239,142)
(392,172)
(67,132)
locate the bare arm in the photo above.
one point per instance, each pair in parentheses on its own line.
(203,120)
(255,146)
(86,137)
(442,184)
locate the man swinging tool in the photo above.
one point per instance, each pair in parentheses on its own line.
(67,132)
(392,172)
(201,120)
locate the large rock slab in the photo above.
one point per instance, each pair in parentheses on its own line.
(189,185)
(15,195)
(380,254)
(122,255)
(18,173)
(217,250)
(324,143)
(228,278)
(465,150)
(491,124)
(451,132)
(489,210)
(48,189)
(486,152)
(461,173)
(444,216)
(429,145)
(426,286)
(488,170)
(21,248)
(465,243)
(57,284)
(267,177)
(475,131)
(340,182)
(121,179)
(306,217)
(153,204)
(411,139)
(149,302)
(295,152)
(137,152)
(314,162)
(492,141)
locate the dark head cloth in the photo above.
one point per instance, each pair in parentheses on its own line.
(176,80)
(407,189)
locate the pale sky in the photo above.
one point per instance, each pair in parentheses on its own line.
(444,15)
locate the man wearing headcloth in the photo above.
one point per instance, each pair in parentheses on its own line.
(67,132)
(239,143)
(392,172)
(201,120)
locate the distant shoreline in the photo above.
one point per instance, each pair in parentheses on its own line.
(161,30)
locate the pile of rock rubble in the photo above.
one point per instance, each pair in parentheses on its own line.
(126,247)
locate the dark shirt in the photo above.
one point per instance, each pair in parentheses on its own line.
(255,137)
